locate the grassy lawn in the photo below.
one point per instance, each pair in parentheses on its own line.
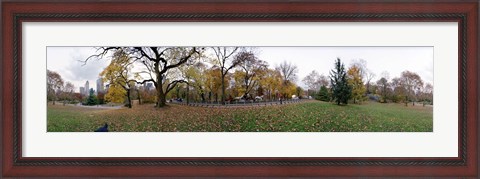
(312,116)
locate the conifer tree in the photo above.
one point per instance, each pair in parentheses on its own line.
(341,91)
(323,94)
(92,99)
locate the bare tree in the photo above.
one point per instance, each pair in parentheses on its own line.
(323,81)
(311,80)
(251,67)
(54,85)
(427,93)
(68,92)
(314,81)
(369,76)
(366,73)
(385,75)
(225,61)
(412,82)
(288,70)
(383,84)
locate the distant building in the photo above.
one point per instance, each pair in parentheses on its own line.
(100,88)
(82,90)
(231,84)
(148,86)
(87,88)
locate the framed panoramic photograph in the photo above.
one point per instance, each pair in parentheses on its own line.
(227,89)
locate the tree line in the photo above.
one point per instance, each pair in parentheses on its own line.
(60,90)
(354,84)
(225,74)
(207,74)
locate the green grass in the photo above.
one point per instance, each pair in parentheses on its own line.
(313,116)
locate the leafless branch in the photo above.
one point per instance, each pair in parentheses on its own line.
(104,51)
(172,84)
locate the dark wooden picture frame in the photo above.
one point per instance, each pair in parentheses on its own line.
(14,13)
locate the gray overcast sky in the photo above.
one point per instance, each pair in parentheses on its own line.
(394,60)
(66,62)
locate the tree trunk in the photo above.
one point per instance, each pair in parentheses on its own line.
(139,98)
(129,104)
(210,96)
(223,89)
(161,101)
(368,87)
(384,94)
(188,93)
(247,91)
(413,101)
(203,97)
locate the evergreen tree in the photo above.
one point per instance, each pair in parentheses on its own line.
(341,91)
(323,94)
(92,99)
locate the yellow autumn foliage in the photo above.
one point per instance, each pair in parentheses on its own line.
(356,82)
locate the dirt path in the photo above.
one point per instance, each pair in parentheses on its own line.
(96,106)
